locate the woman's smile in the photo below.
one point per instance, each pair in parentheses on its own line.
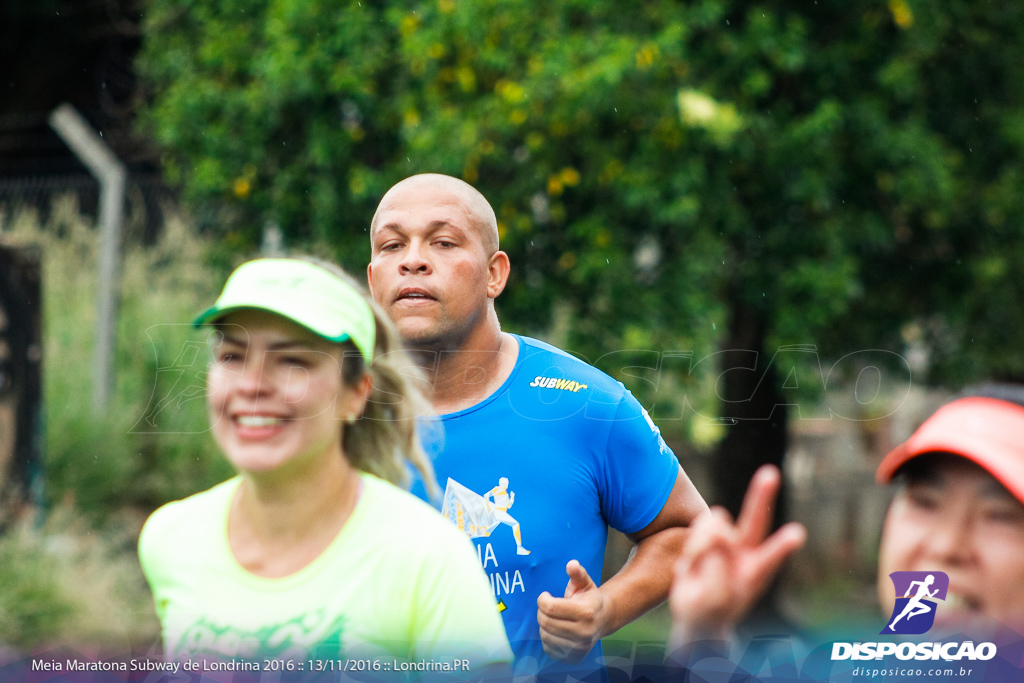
(276,393)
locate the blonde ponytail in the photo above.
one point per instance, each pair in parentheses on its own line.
(385,439)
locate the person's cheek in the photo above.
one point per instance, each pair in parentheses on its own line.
(897,535)
(1004,550)
(888,559)
(296,385)
(216,394)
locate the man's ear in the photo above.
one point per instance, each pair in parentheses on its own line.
(498,269)
(369,276)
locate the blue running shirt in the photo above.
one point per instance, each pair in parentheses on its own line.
(536,473)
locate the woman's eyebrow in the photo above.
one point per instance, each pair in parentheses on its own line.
(227,339)
(288,344)
(293,344)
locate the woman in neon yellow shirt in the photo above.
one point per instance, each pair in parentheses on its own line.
(309,559)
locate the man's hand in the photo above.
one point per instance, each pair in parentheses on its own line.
(725,567)
(572,625)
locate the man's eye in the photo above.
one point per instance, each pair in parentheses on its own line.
(296,360)
(228,357)
(445,243)
(390,246)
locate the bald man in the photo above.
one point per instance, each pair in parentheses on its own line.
(573,444)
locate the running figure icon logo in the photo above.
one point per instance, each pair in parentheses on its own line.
(916,593)
(480,515)
(503,500)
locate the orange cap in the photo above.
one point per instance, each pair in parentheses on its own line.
(986,431)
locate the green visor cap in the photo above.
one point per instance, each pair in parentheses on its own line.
(302,292)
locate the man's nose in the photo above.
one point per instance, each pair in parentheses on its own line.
(414,260)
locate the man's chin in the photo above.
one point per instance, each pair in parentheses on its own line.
(418,336)
(432,334)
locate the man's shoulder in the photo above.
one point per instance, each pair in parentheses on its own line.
(545,364)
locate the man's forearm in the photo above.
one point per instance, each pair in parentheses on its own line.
(570,626)
(643,582)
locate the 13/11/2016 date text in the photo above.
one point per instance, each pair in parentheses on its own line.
(376,665)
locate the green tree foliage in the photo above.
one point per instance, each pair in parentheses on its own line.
(666,175)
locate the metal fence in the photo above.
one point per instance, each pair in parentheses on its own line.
(147,196)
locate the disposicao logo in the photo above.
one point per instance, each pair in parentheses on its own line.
(914,612)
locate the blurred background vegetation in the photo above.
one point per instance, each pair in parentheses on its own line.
(716,178)
(68,573)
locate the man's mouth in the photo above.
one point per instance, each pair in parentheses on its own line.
(414,294)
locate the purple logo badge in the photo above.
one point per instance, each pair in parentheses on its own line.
(916,595)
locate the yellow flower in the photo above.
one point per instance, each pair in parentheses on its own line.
(467,79)
(569,176)
(901,13)
(410,22)
(242,188)
(510,91)
(357,185)
(645,56)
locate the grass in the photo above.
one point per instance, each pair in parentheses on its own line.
(68,583)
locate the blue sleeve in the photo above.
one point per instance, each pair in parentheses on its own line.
(639,469)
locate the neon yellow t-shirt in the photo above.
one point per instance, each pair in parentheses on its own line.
(398,582)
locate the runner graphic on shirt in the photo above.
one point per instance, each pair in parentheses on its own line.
(479,515)
(503,500)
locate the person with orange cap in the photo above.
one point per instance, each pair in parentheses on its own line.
(958,509)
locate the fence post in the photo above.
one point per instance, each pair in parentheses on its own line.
(112,176)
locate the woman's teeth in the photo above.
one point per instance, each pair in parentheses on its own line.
(258,421)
